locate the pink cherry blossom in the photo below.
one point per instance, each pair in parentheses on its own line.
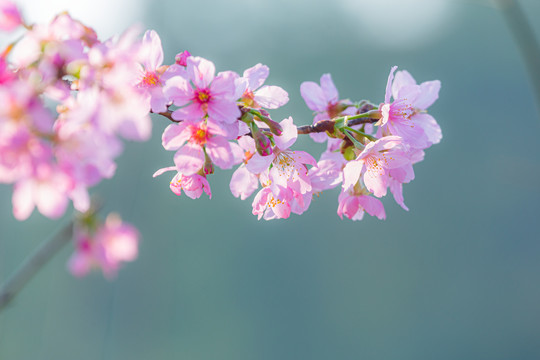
(406,116)
(270,205)
(200,93)
(374,163)
(353,205)
(181,58)
(243,182)
(328,173)
(48,189)
(324,101)
(202,138)
(288,167)
(153,74)
(193,185)
(113,243)
(254,95)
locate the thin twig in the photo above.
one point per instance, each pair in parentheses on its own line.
(33,264)
(318,127)
(328,125)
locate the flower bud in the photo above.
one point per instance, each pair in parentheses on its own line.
(181,58)
(263,144)
(275,127)
(208,167)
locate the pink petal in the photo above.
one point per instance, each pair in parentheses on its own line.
(430,127)
(372,206)
(50,200)
(243,183)
(224,85)
(351,173)
(329,89)
(227,130)
(375,181)
(388,92)
(429,93)
(158,101)
(175,135)
(247,143)
(224,110)
(304,158)
(189,159)
(288,136)
(81,199)
(153,52)
(178,90)
(397,191)
(271,97)
(401,80)
(410,133)
(219,150)
(313,96)
(164,170)
(200,71)
(23,199)
(256,76)
(258,163)
(192,113)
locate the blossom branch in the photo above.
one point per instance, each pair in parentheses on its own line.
(328,125)
(33,264)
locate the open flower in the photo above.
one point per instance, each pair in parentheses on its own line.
(406,116)
(200,93)
(254,95)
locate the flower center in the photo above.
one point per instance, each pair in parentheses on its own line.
(199,135)
(150,79)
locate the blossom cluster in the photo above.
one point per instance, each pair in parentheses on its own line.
(224,120)
(69,99)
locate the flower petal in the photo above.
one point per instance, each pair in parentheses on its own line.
(313,96)
(256,76)
(189,159)
(329,89)
(271,97)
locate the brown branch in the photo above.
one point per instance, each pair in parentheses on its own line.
(168,115)
(319,127)
(328,125)
(33,264)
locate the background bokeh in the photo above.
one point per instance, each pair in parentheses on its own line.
(456,277)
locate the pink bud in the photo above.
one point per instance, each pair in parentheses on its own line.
(181,59)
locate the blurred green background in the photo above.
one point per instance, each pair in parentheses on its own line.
(456,277)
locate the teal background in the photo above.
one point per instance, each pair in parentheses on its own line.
(456,277)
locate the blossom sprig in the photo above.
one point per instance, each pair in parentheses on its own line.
(102,245)
(103,91)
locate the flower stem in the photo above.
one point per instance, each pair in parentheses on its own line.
(33,264)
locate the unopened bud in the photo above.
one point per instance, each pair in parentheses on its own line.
(181,59)
(263,144)
(208,168)
(275,128)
